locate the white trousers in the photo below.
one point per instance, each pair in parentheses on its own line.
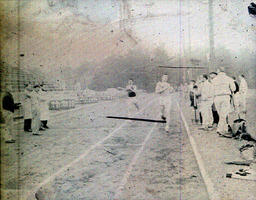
(44,111)
(36,123)
(243,102)
(27,107)
(223,108)
(206,111)
(240,104)
(132,104)
(165,104)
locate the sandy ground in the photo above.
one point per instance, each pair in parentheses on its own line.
(86,156)
(216,150)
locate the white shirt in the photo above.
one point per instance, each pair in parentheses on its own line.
(131,87)
(42,95)
(223,84)
(163,88)
(35,98)
(207,91)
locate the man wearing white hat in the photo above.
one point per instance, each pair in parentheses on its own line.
(223,87)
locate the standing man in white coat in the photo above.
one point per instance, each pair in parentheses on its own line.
(223,88)
(27,107)
(36,123)
(164,90)
(44,108)
(207,95)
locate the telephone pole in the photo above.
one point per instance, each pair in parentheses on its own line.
(211,35)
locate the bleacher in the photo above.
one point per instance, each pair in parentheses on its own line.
(17,78)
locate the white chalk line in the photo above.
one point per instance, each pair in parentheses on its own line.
(50,178)
(69,136)
(127,174)
(212,193)
(121,145)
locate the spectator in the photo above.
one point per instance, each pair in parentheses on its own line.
(235,97)
(215,114)
(44,108)
(7,110)
(36,124)
(243,89)
(27,107)
(198,97)
(191,93)
(223,88)
(206,103)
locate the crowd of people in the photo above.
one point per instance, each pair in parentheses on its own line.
(36,111)
(35,107)
(219,102)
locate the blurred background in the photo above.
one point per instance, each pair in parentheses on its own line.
(100,44)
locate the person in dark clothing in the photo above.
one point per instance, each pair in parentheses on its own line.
(252,9)
(215,115)
(191,93)
(236,84)
(8,106)
(234,95)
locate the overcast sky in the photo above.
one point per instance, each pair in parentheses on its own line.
(58,33)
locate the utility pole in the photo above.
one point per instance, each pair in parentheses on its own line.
(211,35)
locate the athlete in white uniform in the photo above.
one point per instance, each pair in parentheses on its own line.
(132,99)
(164,89)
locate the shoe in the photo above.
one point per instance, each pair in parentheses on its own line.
(38,134)
(10,141)
(166,129)
(28,130)
(226,135)
(46,127)
(163,117)
(41,129)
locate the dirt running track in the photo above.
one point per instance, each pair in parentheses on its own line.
(86,156)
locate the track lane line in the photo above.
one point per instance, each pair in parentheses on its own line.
(127,174)
(31,193)
(212,193)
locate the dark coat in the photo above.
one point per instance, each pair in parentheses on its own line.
(8,102)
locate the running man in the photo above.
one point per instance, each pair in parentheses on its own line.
(164,89)
(132,100)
